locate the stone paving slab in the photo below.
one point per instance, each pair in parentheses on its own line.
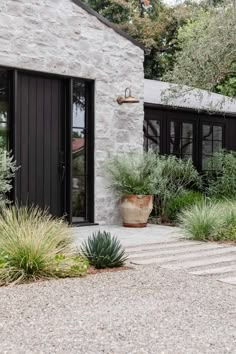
(166,247)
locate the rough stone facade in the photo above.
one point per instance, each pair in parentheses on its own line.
(57,36)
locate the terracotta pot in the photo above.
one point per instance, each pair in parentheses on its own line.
(135,210)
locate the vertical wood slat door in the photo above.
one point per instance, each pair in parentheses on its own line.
(38,142)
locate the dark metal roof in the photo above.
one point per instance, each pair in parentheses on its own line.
(108,23)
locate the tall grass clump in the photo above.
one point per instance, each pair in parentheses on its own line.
(134,173)
(210,221)
(34,245)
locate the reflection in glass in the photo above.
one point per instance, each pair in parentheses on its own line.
(217,133)
(153,128)
(4,108)
(181,139)
(186,147)
(154,144)
(207,132)
(206,147)
(79,153)
(212,141)
(217,145)
(187,130)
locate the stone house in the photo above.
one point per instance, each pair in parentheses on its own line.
(62,67)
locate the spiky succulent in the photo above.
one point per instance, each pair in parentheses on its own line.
(103,250)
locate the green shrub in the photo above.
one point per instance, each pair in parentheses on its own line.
(221,175)
(177,204)
(176,176)
(103,251)
(210,220)
(7,172)
(34,245)
(134,173)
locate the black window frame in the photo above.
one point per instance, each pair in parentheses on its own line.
(167,114)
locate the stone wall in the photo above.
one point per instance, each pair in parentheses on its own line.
(57,36)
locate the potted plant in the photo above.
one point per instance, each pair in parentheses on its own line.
(133,178)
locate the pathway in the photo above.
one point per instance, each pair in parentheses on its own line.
(165,246)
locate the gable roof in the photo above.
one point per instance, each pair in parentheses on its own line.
(108,23)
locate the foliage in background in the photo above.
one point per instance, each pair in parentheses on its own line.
(180,202)
(153,24)
(103,251)
(207,51)
(210,221)
(33,245)
(190,43)
(7,172)
(134,173)
(174,176)
(221,175)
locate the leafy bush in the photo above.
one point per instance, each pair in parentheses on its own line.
(34,245)
(175,177)
(103,251)
(134,173)
(221,175)
(176,205)
(7,172)
(210,220)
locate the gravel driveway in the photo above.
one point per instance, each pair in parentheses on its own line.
(144,310)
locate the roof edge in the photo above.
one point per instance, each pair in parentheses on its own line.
(108,23)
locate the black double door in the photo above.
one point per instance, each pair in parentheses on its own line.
(43,144)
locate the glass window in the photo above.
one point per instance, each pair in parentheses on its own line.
(212,141)
(4,108)
(181,139)
(151,129)
(79,152)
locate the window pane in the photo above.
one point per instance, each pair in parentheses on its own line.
(175,129)
(207,147)
(175,144)
(187,146)
(217,145)
(186,157)
(79,198)
(207,132)
(217,133)
(78,104)
(4,108)
(187,130)
(153,127)
(154,143)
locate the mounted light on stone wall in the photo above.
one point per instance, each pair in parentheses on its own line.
(128,97)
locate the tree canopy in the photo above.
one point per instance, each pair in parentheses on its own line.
(192,43)
(207,52)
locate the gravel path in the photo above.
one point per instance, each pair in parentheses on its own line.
(144,310)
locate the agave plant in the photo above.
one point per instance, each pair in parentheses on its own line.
(104,251)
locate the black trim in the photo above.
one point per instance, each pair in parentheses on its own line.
(188,109)
(66,136)
(109,24)
(164,115)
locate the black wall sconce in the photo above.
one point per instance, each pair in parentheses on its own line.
(128,98)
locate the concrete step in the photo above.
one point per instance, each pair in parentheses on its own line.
(218,270)
(201,254)
(230,280)
(200,262)
(160,246)
(174,251)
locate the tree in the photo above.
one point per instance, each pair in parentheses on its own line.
(207,55)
